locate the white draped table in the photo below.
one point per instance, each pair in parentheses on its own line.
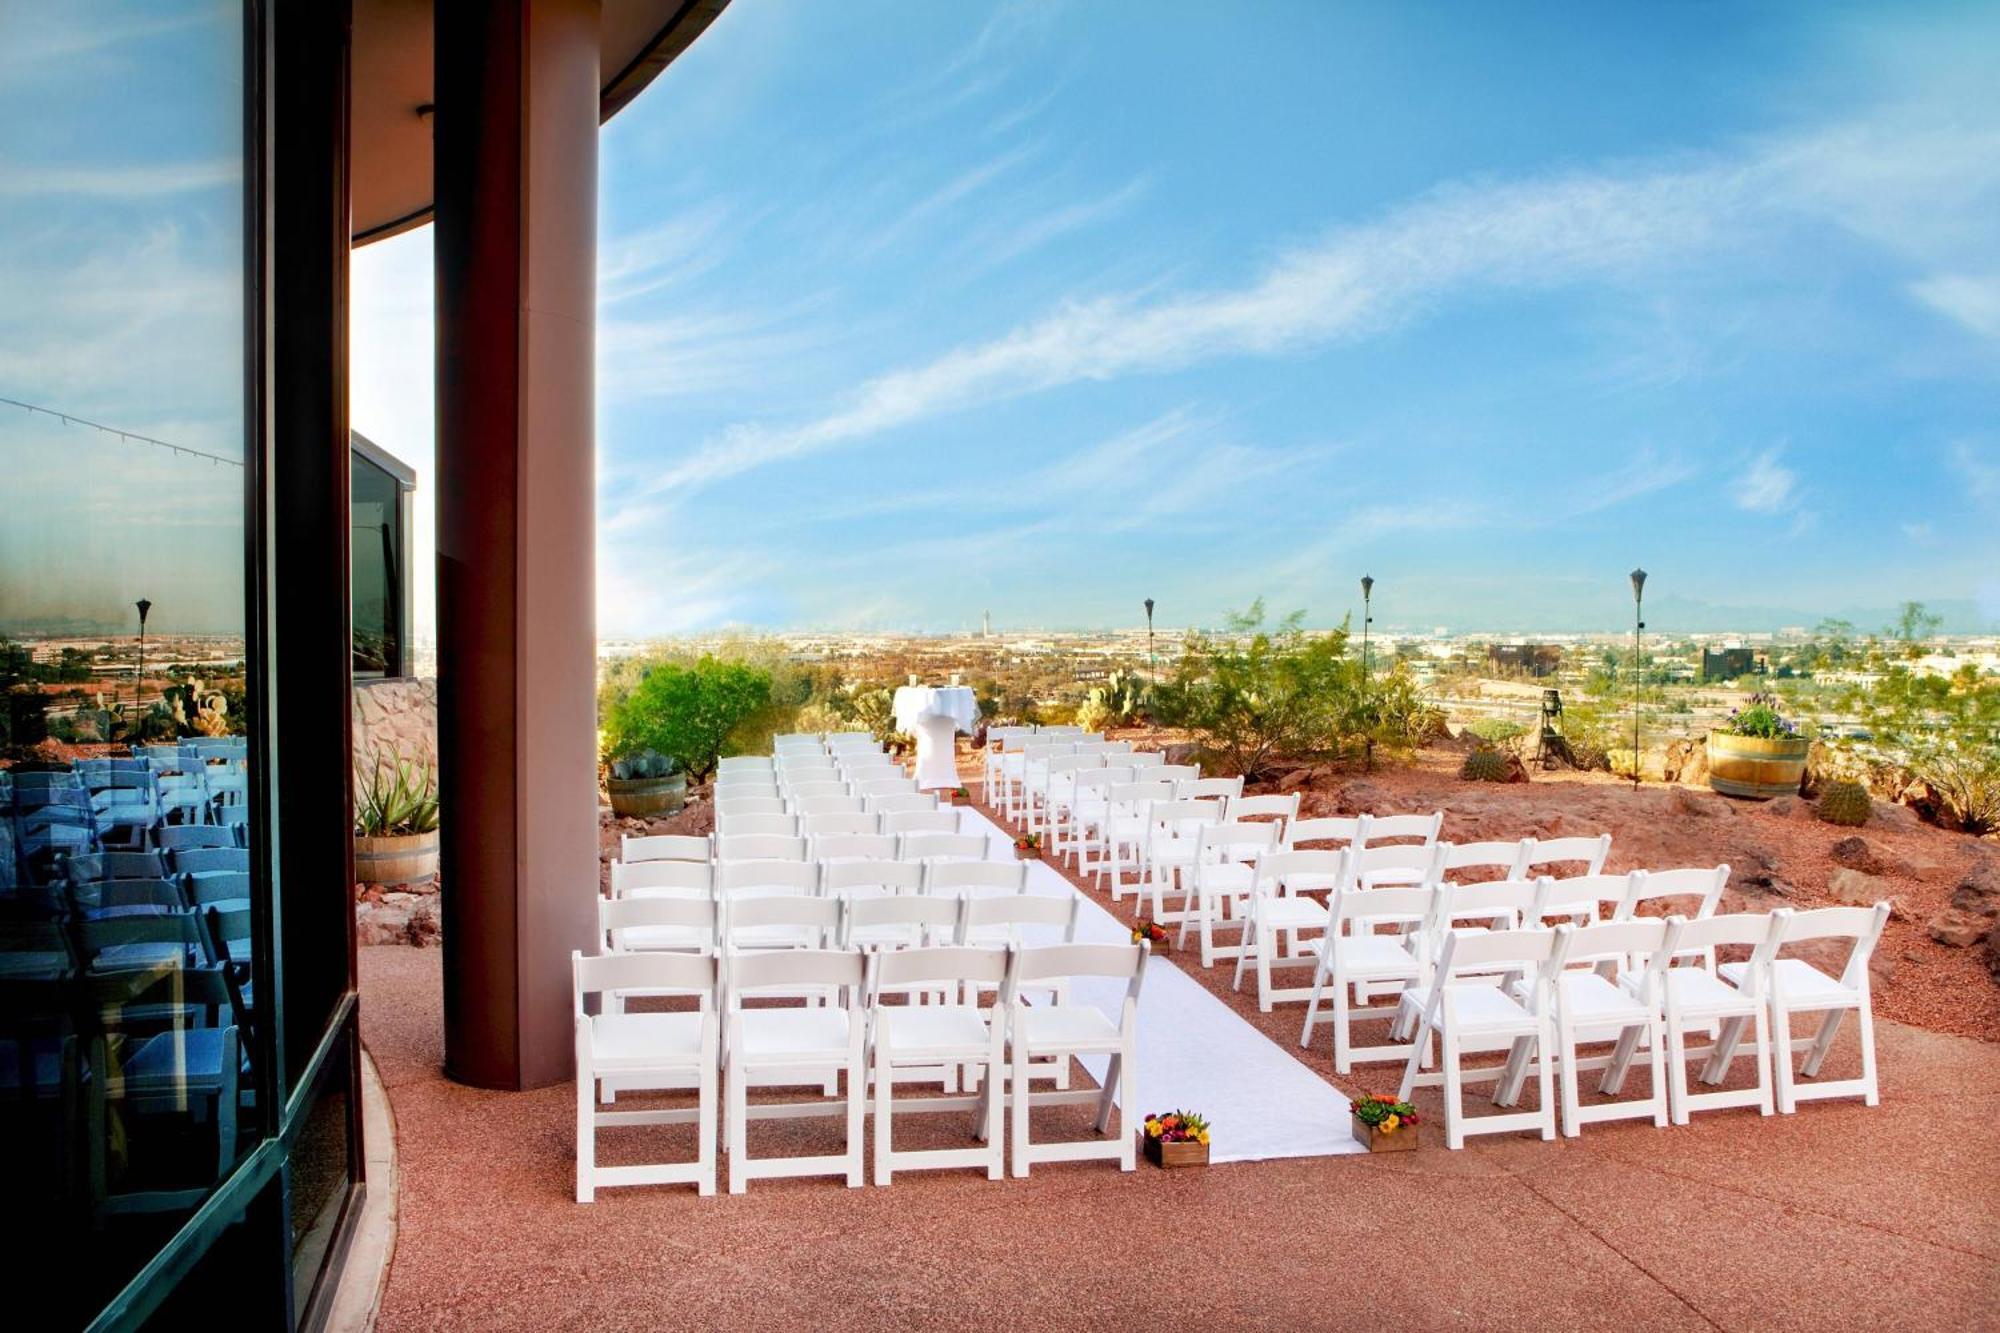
(933,714)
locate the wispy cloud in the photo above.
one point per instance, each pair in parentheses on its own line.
(136,181)
(1766,486)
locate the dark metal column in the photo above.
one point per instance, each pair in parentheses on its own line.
(516,174)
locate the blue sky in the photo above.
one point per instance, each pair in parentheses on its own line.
(911,311)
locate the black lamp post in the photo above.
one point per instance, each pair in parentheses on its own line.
(1638,624)
(1367,619)
(139,680)
(1152,668)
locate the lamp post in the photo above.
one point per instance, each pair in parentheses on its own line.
(1152,669)
(1638,624)
(1367,619)
(139,680)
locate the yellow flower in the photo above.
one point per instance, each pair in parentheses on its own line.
(1389,1125)
(1201,1136)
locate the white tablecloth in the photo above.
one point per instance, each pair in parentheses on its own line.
(933,715)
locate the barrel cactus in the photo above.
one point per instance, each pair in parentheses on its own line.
(1844,803)
(1484,765)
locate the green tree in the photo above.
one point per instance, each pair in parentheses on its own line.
(687,712)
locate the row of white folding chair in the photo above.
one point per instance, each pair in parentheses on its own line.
(832,876)
(1577,984)
(1050,781)
(773,804)
(1352,952)
(1075,796)
(1016,770)
(786,1044)
(890,911)
(931,820)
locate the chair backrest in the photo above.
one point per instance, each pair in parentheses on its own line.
(728,793)
(736,807)
(1015,910)
(1422,827)
(870,878)
(788,969)
(976,878)
(1415,906)
(823,826)
(759,847)
(920,821)
(737,763)
(855,847)
(908,803)
(852,740)
(1511,900)
(1229,841)
(1084,960)
(219,888)
(1504,859)
(1284,809)
(1589,896)
(666,846)
(1097,782)
(1863,925)
(819,790)
(116,896)
(658,972)
(1144,759)
(1652,939)
(1703,887)
(176,930)
(1136,796)
(1398,863)
(178,837)
(616,916)
(114,865)
(1181,818)
(1175,773)
(1591,851)
(1325,829)
(817,914)
(940,965)
(929,918)
(943,847)
(742,826)
(829,805)
(1466,950)
(207,860)
(661,879)
(748,878)
(1195,789)
(892,786)
(1299,872)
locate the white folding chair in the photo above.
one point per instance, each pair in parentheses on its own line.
(943,847)
(645,1050)
(920,1038)
(1331,829)
(762,918)
(828,805)
(1370,866)
(1795,986)
(920,821)
(1208,789)
(1089,805)
(1589,852)
(793,1045)
(758,847)
(1282,809)
(1114,845)
(1700,999)
(1280,909)
(1582,900)
(735,807)
(854,847)
(1387,828)
(1354,958)
(898,921)
(816,789)
(823,826)
(919,803)
(751,763)
(1490,860)
(1698,889)
(777,826)
(662,879)
(1168,853)
(1476,1015)
(1225,873)
(1594,1006)
(649,925)
(1174,773)
(665,847)
(1064,1031)
(745,788)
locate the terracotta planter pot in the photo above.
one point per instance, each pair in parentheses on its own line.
(401,859)
(1161,1153)
(1403,1138)
(1754,767)
(647,798)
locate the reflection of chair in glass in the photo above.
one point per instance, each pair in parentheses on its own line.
(236,818)
(226,889)
(51,823)
(185,837)
(112,899)
(229,937)
(146,956)
(41,1063)
(125,800)
(95,866)
(184,799)
(172,1088)
(228,787)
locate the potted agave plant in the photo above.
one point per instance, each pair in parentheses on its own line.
(396,822)
(1758,752)
(646,785)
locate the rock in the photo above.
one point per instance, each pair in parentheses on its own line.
(1978,894)
(1856,888)
(1702,805)
(1182,752)
(1364,798)
(1930,872)
(1686,761)
(1958,929)
(1788,807)
(1871,858)
(1893,816)
(1991,952)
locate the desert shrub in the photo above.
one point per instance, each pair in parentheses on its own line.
(686,712)
(1965,785)
(1396,714)
(1498,731)
(1940,731)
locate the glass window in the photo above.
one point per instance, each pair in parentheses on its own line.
(127,1011)
(379,576)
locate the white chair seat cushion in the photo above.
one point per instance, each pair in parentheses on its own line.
(1374,954)
(1589,998)
(644,1041)
(932,1029)
(1696,990)
(1479,1008)
(803,1034)
(1069,1026)
(1798,983)
(1286,913)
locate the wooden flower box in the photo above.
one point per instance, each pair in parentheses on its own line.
(1185,1153)
(1027,853)
(1403,1138)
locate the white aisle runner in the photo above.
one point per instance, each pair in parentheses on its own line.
(1195,1052)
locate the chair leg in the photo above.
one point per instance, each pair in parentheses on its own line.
(1864,1018)
(989,1128)
(1454,1093)
(1243,956)
(1545,1049)
(1677,1085)
(1763,1054)
(586,1128)
(705,1136)
(885,1096)
(1343,1036)
(1018,1089)
(739,1152)
(1106,1099)
(1781,1057)
(1312,1001)
(1829,1026)
(1724,1052)
(857,1106)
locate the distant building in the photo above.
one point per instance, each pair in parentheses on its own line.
(1533,659)
(1729,663)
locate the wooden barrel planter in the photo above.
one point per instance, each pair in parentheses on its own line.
(1755,767)
(647,798)
(408,858)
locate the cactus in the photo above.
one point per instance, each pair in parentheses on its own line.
(1485,765)
(1845,803)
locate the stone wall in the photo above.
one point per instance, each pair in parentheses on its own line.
(394,717)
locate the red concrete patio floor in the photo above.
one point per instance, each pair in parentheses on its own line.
(1838,1217)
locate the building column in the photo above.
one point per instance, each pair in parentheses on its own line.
(516,253)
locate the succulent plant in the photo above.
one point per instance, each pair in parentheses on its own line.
(646,764)
(1485,765)
(1845,803)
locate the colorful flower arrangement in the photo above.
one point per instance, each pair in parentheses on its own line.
(1149,932)
(960,796)
(1028,844)
(1384,1113)
(1761,720)
(1177,1127)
